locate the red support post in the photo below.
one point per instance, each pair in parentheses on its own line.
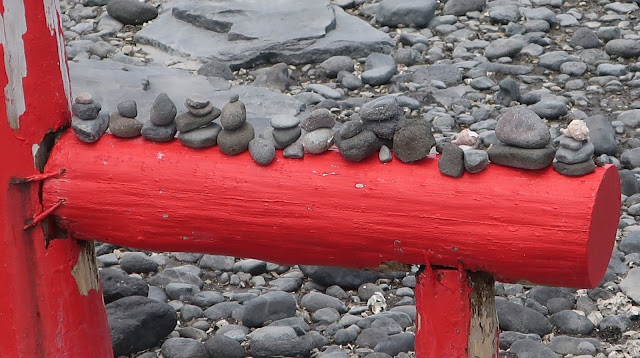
(51,304)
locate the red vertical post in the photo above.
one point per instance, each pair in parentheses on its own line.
(51,304)
(456,314)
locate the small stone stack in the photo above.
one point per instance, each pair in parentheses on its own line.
(123,123)
(475,160)
(575,155)
(161,126)
(196,126)
(381,116)
(356,143)
(236,131)
(319,127)
(525,139)
(87,122)
(286,130)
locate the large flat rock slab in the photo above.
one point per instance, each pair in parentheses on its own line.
(111,83)
(250,37)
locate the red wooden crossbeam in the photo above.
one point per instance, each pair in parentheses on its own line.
(535,226)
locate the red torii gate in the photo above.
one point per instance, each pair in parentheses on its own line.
(534,226)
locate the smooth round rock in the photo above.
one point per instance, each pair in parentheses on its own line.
(522,127)
(575,170)
(359,147)
(128,109)
(233,116)
(385,154)
(232,142)
(318,141)
(521,158)
(163,110)
(202,137)
(156,133)
(284,121)
(351,128)
(475,160)
(131,12)
(234,98)
(262,151)
(196,102)
(569,156)
(84,98)
(86,111)
(124,127)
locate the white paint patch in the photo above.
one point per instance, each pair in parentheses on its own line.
(54,23)
(160,155)
(13,24)
(34,151)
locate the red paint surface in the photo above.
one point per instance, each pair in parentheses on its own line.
(41,311)
(444,314)
(537,226)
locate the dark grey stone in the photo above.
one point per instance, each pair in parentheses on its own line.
(286,284)
(294,151)
(124,127)
(117,284)
(137,262)
(504,12)
(509,91)
(183,348)
(236,141)
(380,109)
(571,322)
(625,48)
(345,335)
(190,312)
(540,13)
(526,348)
(608,33)
(515,317)
(233,115)
(251,266)
(392,345)
(318,141)
(575,170)
(319,118)
(554,59)
(630,158)
(181,291)
(614,325)
(285,137)
(278,341)
(262,151)
(475,160)
(314,301)
(382,129)
(407,56)
(325,315)
(568,156)
(344,277)
(359,147)
(222,310)
(630,242)
(131,12)
(412,140)
(163,110)
(186,122)
(507,338)
(569,143)
(451,161)
(629,183)
(156,133)
(204,107)
(461,7)
(268,307)
(175,275)
(351,81)
(569,345)
(522,127)
(138,323)
(128,109)
(370,337)
(449,74)
(204,137)
(215,68)
(284,122)
(585,38)
(550,107)
(91,130)
(378,69)
(221,346)
(333,65)
(522,158)
(503,48)
(351,128)
(406,12)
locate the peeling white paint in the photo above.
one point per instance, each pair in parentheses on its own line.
(54,23)
(34,151)
(13,24)
(160,155)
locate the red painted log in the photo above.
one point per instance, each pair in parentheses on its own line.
(536,226)
(51,304)
(456,314)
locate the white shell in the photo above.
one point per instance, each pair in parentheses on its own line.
(377,303)
(466,137)
(577,130)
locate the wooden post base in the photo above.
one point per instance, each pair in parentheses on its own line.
(456,314)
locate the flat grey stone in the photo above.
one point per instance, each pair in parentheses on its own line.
(285,137)
(86,111)
(518,318)
(575,170)
(156,133)
(324,91)
(318,141)
(521,158)
(449,74)
(284,121)
(91,130)
(526,348)
(183,348)
(406,12)
(254,37)
(124,127)
(223,346)
(378,69)
(554,59)
(585,38)
(475,160)
(319,118)
(186,122)
(461,7)
(540,13)
(568,156)
(199,138)
(571,322)
(351,128)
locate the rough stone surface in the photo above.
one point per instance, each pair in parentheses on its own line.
(412,140)
(262,151)
(451,161)
(236,141)
(522,127)
(521,158)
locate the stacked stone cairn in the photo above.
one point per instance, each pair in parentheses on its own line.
(524,138)
(319,136)
(123,122)
(161,126)
(575,154)
(461,154)
(87,121)
(236,131)
(196,126)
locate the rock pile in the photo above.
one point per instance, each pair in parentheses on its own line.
(236,131)
(123,123)
(87,122)
(196,126)
(161,126)
(575,155)
(524,140)
(319,127)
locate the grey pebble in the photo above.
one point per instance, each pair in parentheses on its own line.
(385,155)
(324,91)
(285,137)
(84,98)
(157,133)
(91,130)
(284,121)
(359,147)
(522,127)
(520,157)
(204,137)
(350,128)
(163,110)
(294,151)
(319,118)
(451,161)
(475,160)
(86,111)
(201,112)
(262,151)
(412,140)
(233,116)
(334,65)
(575,170)
(187,121)
(128,109)
(124,127)
(318,141)
(196,101)
(232,142)
(568,156)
